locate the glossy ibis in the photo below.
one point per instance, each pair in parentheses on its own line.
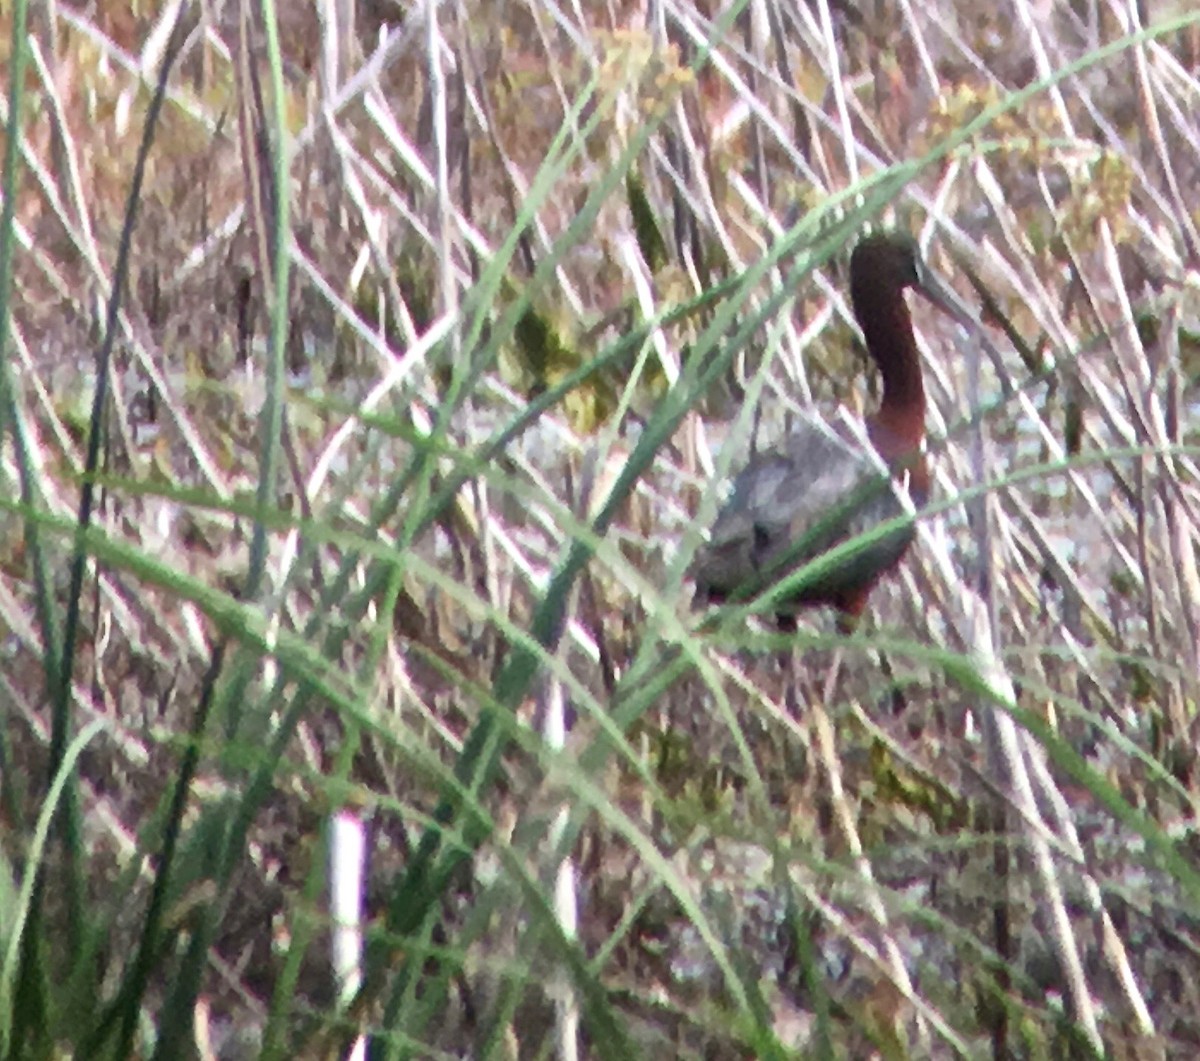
(791,504)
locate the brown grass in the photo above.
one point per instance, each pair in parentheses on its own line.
(1078,215)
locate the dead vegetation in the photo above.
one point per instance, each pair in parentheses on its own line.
(551,268)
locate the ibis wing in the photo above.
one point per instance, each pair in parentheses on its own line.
(789,506)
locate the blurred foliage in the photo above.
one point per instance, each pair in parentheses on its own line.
(645,225)
(897,784)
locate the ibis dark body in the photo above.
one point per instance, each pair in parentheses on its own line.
(791,504)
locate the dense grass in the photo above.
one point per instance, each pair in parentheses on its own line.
(365,396)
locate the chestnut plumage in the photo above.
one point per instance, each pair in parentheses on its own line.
(791,504)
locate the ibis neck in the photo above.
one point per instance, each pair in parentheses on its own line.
(887,327)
